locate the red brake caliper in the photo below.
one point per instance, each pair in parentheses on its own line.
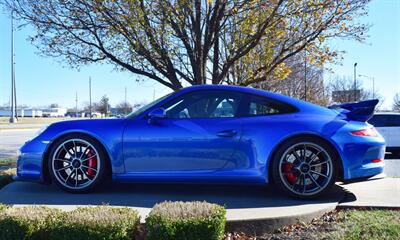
(92,163)
(287,169)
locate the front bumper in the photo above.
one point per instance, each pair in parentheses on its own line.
(30,161)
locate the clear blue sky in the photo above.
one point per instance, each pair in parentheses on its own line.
(41,81)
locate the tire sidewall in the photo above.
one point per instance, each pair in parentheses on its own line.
(102,159)
(276,177)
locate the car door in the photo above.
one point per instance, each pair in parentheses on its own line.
(200,133)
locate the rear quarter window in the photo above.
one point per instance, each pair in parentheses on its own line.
(260,106)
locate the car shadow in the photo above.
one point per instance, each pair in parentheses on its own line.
(146,195)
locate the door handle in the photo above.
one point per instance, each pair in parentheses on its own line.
(227,133)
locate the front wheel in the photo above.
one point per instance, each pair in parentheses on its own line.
(77,163)
(304,167)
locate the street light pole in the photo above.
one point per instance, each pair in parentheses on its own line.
(355,82)
(373,84)
(13,118)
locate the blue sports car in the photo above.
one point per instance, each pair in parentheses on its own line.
(212,134)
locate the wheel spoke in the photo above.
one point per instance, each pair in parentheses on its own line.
(69,175)
(83,152)
(64,168)
(314,181)
(90,168)
(65,149)
(85,174)
(84,160)
(318,173)
(304,182)
(76,177)
(75,150)
(296,155)
(62,160)
(304,152)
(314,156)
(317,164)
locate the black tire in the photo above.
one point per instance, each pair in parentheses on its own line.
(287,174)
(84,172)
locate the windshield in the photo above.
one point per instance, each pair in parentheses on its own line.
(147,106)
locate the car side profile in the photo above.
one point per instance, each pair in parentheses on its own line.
(212,134)
(388,125)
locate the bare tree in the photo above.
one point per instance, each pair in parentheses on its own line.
(189,41)
(347,84)
(304,81)
(396,102)
(125,107)
(103,106)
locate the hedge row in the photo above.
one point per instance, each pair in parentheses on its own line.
(39,222)
(186,220)
(168,220)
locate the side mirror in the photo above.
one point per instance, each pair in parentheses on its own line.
(157,114)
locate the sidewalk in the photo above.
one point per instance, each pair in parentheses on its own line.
(380,193)
(17,126)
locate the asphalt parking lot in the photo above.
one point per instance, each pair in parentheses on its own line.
(12,139)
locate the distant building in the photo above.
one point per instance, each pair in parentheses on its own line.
(54,112)
(33,113)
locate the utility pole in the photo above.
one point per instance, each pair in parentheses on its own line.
(90,97)
(126,106)
(373,83)
(13,117)
(76,104)
(355,82)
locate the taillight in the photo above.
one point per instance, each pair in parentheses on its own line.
(368,132)
(378,160)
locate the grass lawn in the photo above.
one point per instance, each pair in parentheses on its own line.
(367,224)
(29,120)
(337,225)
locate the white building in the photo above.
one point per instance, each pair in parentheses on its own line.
(33,113)
(54,112)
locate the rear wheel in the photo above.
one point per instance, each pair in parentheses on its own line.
(304,167)
(77,163)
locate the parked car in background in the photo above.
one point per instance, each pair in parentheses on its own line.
(388,125)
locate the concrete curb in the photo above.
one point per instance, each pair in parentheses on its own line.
(258,227)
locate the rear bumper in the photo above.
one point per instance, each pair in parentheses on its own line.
(359,154)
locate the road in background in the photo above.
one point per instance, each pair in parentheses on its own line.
(12,139)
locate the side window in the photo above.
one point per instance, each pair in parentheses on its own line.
(396,121)
(204,104)
(259,106)
(385,120)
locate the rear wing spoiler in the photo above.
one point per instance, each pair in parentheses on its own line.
(359,111)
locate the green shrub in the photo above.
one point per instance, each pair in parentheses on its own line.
(96,223)
(3,207)
(186,220)
(26,222)
(5,179)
